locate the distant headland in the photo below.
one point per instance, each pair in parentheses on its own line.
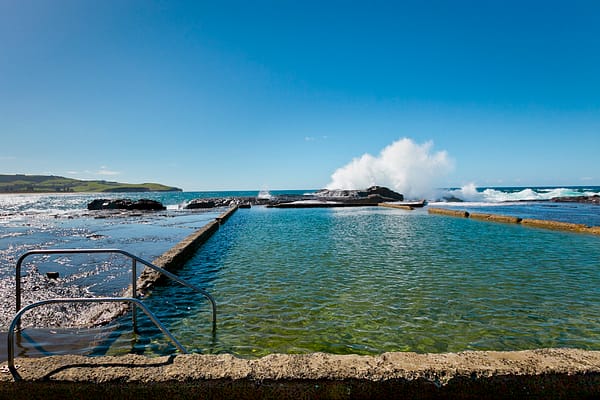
(58,184)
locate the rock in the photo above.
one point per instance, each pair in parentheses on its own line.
(595,199)
(384,193)
(200,203)
(125,204)
(98,204)
(374,193)
(147,204)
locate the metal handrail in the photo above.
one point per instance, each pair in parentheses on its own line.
(135,259)
(137,302)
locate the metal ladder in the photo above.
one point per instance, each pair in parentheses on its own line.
(134,301)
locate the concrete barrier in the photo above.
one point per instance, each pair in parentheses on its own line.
(544,373)
(445,211)
(556,225)
(398,206)
(495,218)
(536,223)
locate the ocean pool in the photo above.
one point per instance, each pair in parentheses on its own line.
(372,280)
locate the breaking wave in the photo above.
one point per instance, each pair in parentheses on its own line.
(472,194)
(404,166)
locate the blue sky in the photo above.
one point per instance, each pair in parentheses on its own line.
(281,94)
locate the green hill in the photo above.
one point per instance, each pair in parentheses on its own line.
(59,184)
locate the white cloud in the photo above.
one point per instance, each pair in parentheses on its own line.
(315,138)
(104,171)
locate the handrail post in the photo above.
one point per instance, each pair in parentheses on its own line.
(134,293)
(135,260)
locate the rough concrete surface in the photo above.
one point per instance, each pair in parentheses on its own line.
(545,373)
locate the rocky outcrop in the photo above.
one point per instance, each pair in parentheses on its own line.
(374,192)
(342,198)
(595,199)
(242,202)
(125,204)
(200,203)
(323,198)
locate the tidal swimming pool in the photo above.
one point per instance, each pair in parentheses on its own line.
(372,280)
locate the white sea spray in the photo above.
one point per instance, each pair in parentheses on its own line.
(405,166)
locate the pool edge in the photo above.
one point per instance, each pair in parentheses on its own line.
(547,373)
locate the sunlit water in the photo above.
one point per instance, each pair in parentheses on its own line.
(373,280)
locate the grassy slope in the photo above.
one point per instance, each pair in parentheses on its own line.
(54,184)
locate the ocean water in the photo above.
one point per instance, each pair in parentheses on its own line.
(363,281)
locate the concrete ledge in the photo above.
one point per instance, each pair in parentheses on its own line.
(545,373)
(536,223)
(398,206)
(562,226)
(452,213)
(495,218)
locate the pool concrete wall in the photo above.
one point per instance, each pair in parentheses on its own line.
(536,223)
(546,373)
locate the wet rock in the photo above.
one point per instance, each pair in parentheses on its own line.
(147,204)
(374,193)
(125,204)
(243,202)
(200,203)
(595,199)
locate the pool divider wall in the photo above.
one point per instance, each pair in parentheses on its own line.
(181,252)
(452,213)
(398,206)
(495,218)
(543,373)
(537,223)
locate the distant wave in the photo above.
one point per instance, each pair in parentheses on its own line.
(472,194)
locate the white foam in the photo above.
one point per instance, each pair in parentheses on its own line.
(264,195)
(470,193)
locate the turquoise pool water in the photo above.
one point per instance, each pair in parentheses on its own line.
(372,280)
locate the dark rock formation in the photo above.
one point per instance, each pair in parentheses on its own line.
(374,192)
(125,204)
(242,202)
(200,203)
(595,199)
(323,198)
